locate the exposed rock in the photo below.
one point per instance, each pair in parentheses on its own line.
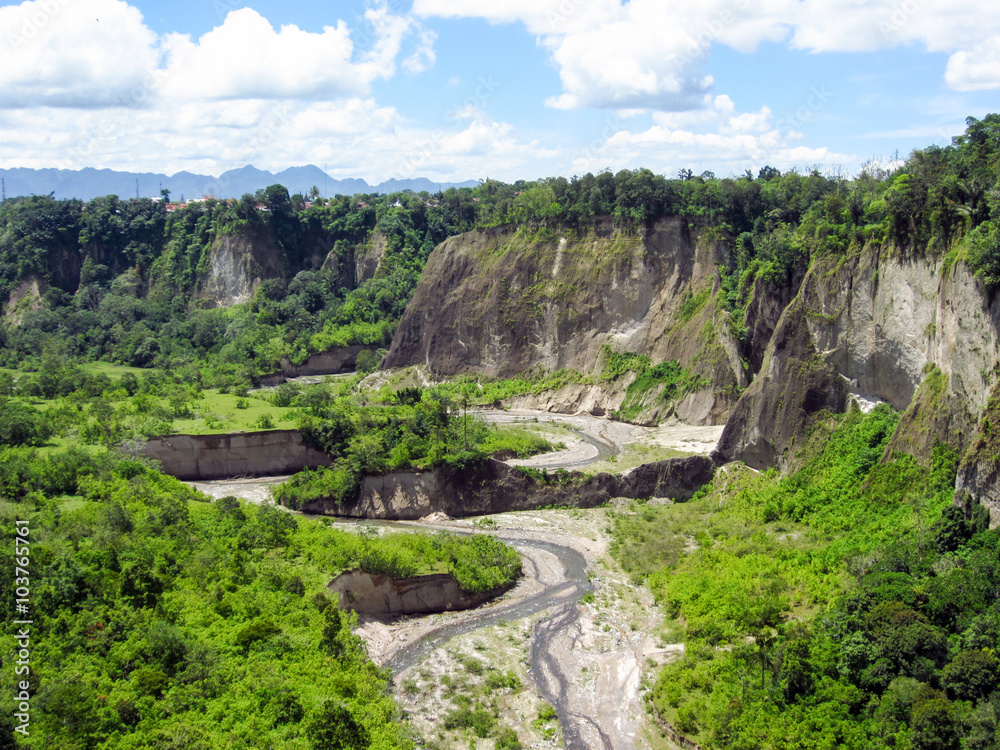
(699,408)
(503,300)
(237,264)
(767,301)
(385,596)
(936,416)
(877,320)
(880,319)
(979,472)
(572,399)
(194,457)
(339,360)
(26,297)
(368,258)
(795,383)
(495,487)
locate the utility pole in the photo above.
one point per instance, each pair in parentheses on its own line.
(3,182)
(137,188)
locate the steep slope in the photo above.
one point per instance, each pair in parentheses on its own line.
(237,264)
(880,323)
(503,300)
(794,384)
(979,472)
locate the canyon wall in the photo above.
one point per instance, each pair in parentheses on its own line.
(503,300)
(385,596)
(196,457)
(495,487)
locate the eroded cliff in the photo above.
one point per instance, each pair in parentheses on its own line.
(504,300)
(876,325)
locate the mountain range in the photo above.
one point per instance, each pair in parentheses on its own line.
(89,183)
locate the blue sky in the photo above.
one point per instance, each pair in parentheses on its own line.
(460,89)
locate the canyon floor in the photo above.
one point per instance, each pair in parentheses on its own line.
(564,658)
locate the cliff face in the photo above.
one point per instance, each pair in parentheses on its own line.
(384,596)
(979,472)
(875,325)
(237,265)
(496,487)
(503,300)
(198,457)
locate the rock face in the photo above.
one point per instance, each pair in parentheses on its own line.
(237,265)
(384,596)
(193,457)
(875,323)
(341,359)
(503,300)
(26,297)
(979,472)
(368,258)
(793,385)
(495,487)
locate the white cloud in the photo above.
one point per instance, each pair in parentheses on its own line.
(66,54)
(977,68)
(717,135)
(423,57)
(101,54)
(652,53)
(246,58)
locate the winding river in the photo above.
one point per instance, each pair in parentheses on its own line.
(605,716)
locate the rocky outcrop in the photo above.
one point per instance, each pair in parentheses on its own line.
(877,320)
(385,596)
(237,265)
(26,297)
(979,472)
(494,487)
(194,457)
(503,300)
(794,384)
(936,416)
(368,258)
(333,362)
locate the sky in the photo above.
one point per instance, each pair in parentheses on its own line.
(509,89)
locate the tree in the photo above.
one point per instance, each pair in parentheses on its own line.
(334,727)
(972,675)
(934,725)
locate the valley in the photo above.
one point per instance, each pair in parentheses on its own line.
(732,440)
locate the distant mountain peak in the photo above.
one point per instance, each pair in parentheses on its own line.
(91,182)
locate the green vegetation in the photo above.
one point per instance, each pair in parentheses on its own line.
(156,616)
(846,604)
(835,606)
(124,281)
(393,431)
(668,379)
